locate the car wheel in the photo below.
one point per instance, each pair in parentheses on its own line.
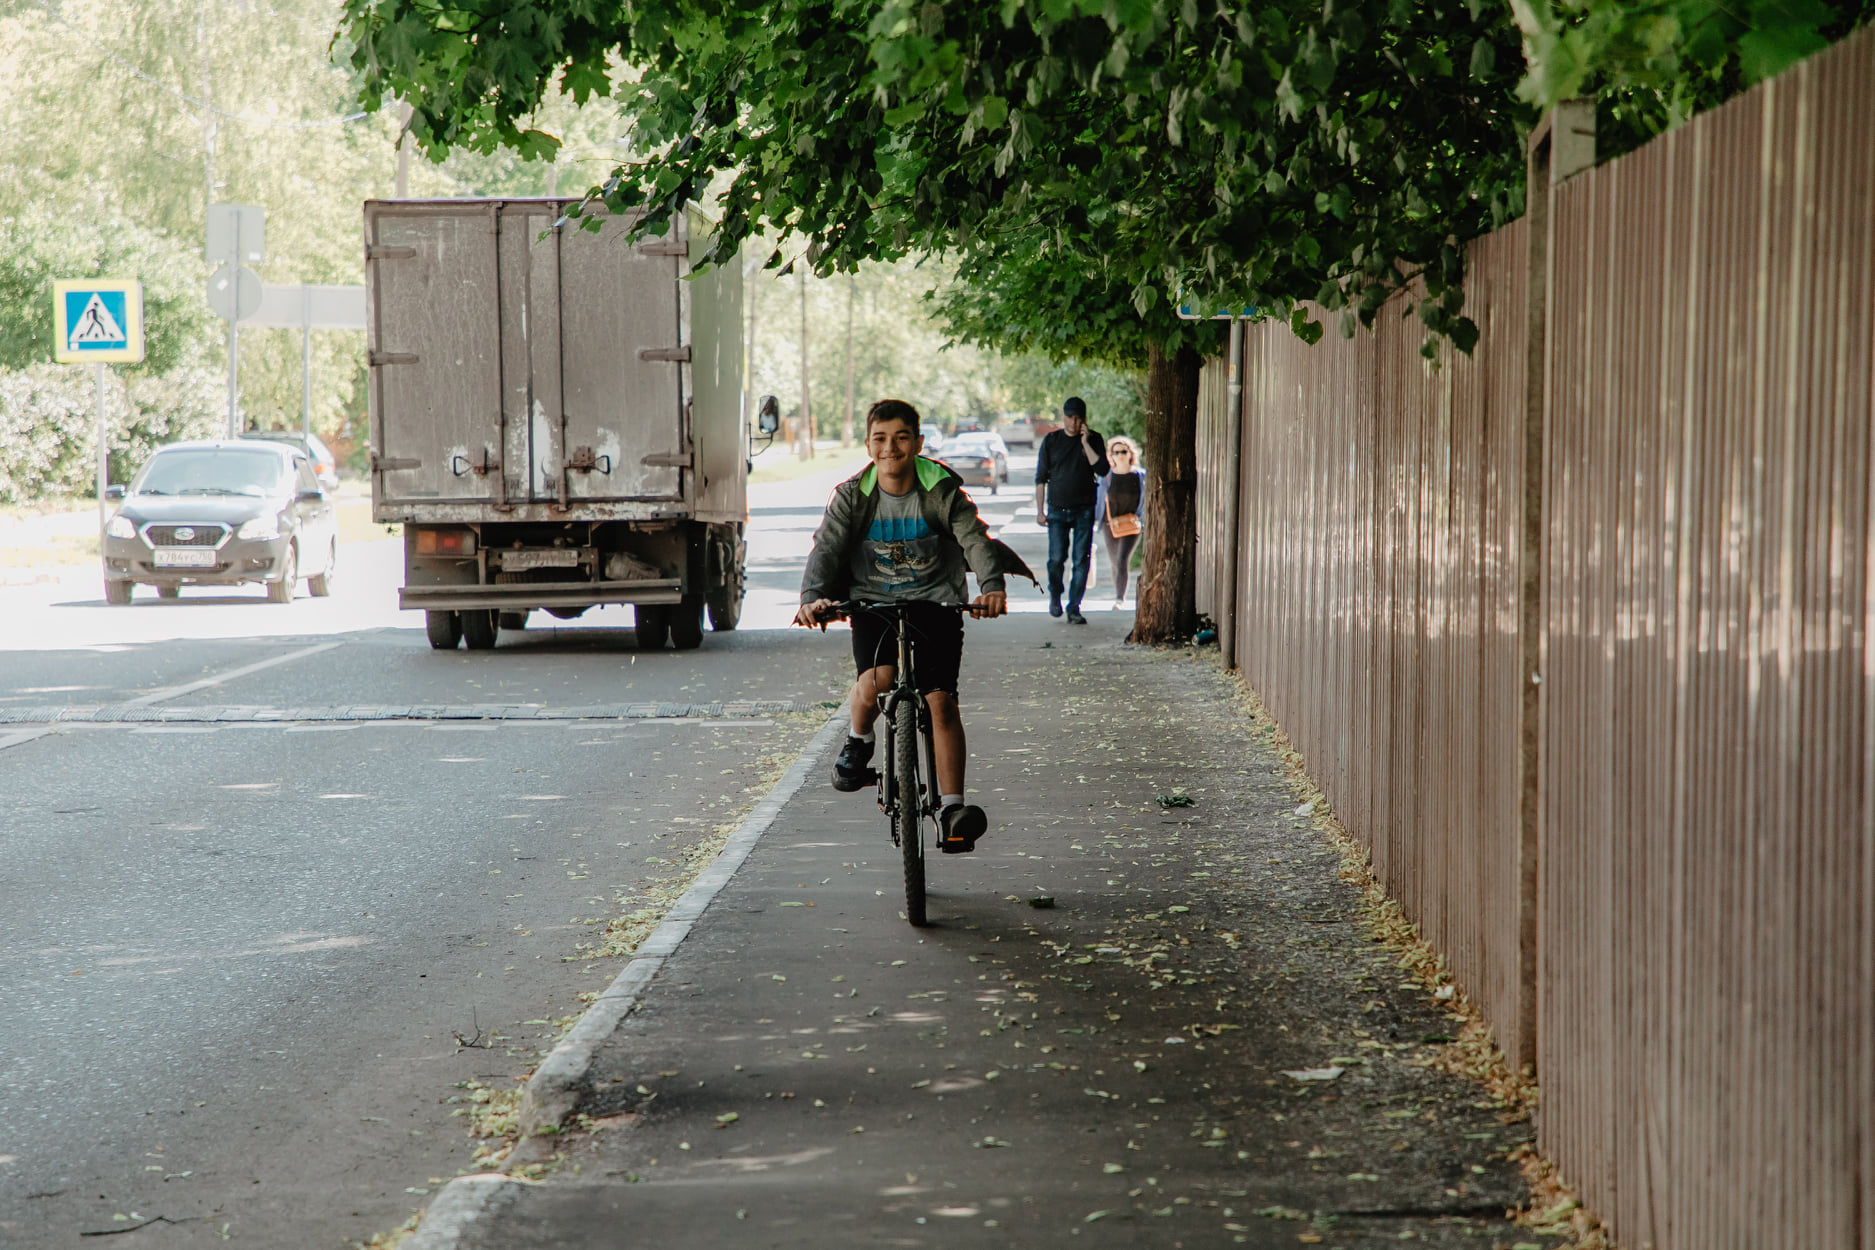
(283,590)
(117,592)
(169,592)
(321,584)
(994,487)
(479,628)
(443,628)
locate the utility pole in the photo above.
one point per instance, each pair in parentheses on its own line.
(804,443)
(846,429)
(403,153)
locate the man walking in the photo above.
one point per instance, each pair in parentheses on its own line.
(1068,470)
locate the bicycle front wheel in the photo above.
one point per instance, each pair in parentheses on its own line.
(910,831)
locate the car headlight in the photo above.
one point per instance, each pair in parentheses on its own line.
(121,526)
(261,527)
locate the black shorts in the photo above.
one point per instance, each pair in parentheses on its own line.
(937,644)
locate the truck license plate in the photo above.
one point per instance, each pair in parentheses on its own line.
(184,557)
(516,560)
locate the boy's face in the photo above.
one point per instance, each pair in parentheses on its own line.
(893,445)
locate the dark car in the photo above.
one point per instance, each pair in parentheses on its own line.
(980,459)
(325,464)
(222,514)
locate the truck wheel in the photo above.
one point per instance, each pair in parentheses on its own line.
(654,625)
(444,629)
(117,592)
(687,624)
(566,614)
(478,628)
(512,620)
(169,592)
(725,604)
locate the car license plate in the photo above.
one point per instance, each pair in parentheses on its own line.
(516,560)
(184,558)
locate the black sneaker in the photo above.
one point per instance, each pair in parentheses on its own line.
(1075,617)
(853,771)
(1054,605)
(962,825)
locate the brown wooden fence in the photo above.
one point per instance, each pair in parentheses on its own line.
(1698,992)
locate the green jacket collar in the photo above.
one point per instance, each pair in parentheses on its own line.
(930,473)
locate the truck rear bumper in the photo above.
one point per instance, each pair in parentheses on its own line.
(518,595)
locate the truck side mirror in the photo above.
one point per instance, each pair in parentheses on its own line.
(768,415)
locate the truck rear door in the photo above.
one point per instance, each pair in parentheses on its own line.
(609,421)
(435,351)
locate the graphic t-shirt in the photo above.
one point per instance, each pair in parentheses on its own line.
(902,557)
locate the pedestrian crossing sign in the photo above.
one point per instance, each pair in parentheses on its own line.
(98,321)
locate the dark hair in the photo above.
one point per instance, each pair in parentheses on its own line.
(1074,406)
(893,410)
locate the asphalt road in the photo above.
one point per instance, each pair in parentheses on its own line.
(250,969)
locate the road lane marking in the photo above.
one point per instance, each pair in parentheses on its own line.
(21,736)
(176,692)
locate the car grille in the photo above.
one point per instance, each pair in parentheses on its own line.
(198,535)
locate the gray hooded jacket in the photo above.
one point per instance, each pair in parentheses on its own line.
(947,510)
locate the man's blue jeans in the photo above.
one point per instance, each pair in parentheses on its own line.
(1069,528)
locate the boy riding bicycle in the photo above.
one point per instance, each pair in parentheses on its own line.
(903,531)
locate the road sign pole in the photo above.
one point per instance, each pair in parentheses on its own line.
(234,337)
(104,460)
(305,358)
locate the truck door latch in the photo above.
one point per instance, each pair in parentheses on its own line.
(676,355)
(391,464)
(667,460)
(388,251)
(392,358)
(581,461)
(459,465)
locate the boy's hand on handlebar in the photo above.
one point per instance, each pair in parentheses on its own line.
(816,613)
(992,603)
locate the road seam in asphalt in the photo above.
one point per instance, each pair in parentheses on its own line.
(141,714)
(557,1085)
(176,692)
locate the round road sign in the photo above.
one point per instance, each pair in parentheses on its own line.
(234,294)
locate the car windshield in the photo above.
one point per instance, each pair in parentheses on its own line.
(212,471)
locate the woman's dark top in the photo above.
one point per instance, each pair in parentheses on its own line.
(1122,494)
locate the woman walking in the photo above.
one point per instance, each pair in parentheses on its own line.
(1119,510)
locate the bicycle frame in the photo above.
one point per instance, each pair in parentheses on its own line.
(905,686)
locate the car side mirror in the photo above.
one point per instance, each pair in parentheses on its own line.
(768,415)
(113,492)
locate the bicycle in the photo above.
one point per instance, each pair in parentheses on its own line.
(906,797)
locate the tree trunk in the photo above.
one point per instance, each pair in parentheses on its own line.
(1168,583)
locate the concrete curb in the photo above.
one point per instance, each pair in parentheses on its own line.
(463,1203)
(565,1076)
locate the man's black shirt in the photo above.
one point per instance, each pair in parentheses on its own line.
(1063,465)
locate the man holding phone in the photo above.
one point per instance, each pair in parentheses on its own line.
(1068,469)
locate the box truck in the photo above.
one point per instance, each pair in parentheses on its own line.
(556,416)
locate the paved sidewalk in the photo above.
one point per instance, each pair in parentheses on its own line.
(809,1071)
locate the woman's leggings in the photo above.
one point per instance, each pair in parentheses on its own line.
(1119,556)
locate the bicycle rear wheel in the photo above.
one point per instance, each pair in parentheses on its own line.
(905,780)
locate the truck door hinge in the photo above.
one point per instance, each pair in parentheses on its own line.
(667,460)
(391,464)
(384,251)
(391,358)
(677,355)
